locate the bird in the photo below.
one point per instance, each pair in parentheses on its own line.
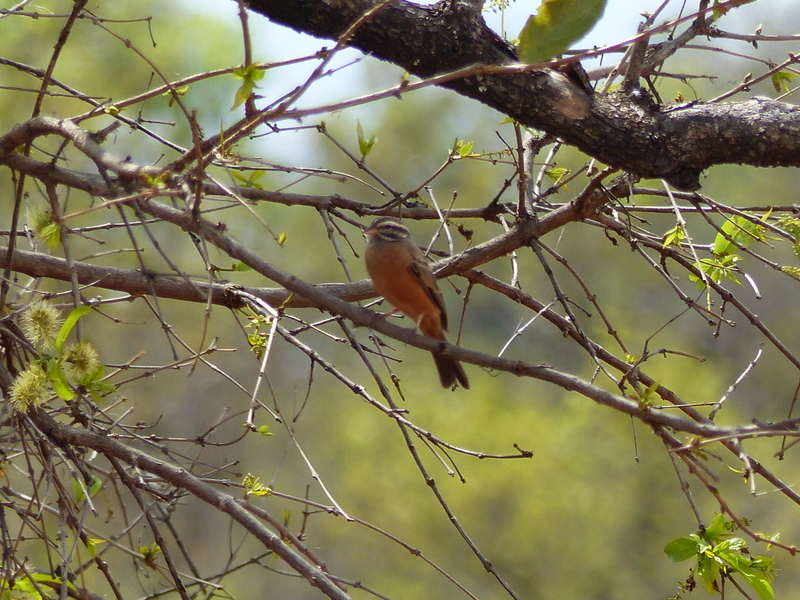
(401,274)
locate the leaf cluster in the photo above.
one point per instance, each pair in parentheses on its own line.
(720,556)
(60,367)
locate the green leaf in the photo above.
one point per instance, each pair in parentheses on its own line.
(173,94)
(253,486)
(251,181)
(556,26)
(716,529)
(92,487)
(708,569)
(95,486)
(740,230)
(69,323)
(762,586)
(99,389)
(791,271)
(150,553)
(249,76)
(757,570)
(674,236)
(462,148)
(92,544)
(51,235)
(56,377)
(251,72)
(720,554)
(558,174)
(25,588)
(242,94)
(791,225)
(781,79)
(365,145)
(646,396)
(159,181)
(717,269)
(702,543)
(45,578)
(681,549)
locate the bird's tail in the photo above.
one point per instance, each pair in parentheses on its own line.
(450,372)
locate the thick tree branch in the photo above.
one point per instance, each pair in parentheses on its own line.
(136,283)
(627,131)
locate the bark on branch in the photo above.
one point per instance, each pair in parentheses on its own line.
(628,131)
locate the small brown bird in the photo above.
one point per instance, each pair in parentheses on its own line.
(401,274)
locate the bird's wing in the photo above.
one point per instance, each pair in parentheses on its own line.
(421,270)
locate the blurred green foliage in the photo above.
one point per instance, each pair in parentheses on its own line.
(588,515)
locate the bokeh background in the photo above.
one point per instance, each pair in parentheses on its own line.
(589,514)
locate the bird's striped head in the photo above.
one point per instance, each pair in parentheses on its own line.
(387,229)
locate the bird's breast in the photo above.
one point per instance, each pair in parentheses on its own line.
(391,274)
